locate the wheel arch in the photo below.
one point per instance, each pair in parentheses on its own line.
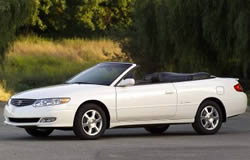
(101,105)
(221,105)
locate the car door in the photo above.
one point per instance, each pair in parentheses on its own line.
(146,102)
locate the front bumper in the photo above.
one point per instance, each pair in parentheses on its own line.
(64,115)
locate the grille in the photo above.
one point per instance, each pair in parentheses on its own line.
(24,120)
(22,102)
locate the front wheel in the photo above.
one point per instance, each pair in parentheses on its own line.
(39,132)
(90,122)
(208,119)
(157,129)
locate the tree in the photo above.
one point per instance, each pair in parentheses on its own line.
(82,16)
(13,14)
(191,35)
(226,28)
(147,41)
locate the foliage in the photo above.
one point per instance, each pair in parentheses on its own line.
(35,62)
(4,95)
(39,71)
(191,35)
(79,17)
(13,14)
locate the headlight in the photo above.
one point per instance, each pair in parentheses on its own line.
(50,102)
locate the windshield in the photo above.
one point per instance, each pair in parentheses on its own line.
(101,74)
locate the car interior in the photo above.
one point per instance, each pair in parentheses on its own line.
(166,77)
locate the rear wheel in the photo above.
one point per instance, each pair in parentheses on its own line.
(157,129)
(39,132)
(90,122)
(208,119)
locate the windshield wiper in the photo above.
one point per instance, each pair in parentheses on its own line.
(85,83)
(80,83)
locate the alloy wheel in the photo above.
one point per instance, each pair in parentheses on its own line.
(92,122)
(209,117)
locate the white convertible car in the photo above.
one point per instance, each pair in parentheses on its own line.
(111,95)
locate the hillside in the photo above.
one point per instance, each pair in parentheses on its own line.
(34,62)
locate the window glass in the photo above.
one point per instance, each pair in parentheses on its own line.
(101,74)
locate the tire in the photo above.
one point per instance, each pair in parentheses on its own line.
(39,132)
(208,119)
(157,129)
(90,122)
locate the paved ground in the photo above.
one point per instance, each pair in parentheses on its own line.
(179,142)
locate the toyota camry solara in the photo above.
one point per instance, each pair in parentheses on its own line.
(111,95)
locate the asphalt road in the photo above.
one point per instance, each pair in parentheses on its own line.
(178,143)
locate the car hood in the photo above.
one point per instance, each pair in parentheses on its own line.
(64,90)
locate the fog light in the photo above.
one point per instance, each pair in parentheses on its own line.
(48,119)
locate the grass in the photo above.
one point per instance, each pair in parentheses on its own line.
(80,50)
(35,62)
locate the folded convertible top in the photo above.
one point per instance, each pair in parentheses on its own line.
(177,77)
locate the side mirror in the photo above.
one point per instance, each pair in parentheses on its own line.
(126,82)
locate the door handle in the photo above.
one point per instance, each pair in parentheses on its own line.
(169,92)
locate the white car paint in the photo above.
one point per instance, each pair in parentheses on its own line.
(131,105)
